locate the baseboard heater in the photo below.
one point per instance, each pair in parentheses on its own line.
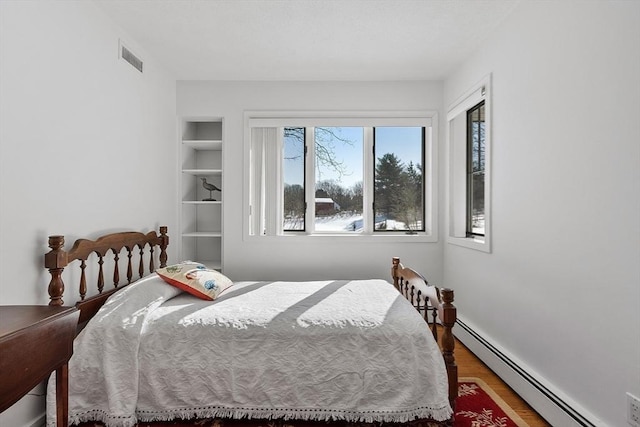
(553,398)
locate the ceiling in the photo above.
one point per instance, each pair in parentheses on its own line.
(325,40)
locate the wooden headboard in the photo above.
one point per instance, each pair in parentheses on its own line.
(57,259)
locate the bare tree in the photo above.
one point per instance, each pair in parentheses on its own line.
(326,139)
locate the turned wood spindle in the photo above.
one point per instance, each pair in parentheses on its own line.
(55,261)
(116,271)
(141,263)
(434,329)
(152,268)
(129,266)
(164,242)
(411,295)
(83,279)
(100,273)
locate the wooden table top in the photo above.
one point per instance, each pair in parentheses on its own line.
(14,318)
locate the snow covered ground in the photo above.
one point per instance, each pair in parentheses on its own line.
(345,222)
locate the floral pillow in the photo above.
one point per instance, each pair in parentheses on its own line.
(196,279)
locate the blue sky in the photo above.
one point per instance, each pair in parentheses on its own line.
(403,141)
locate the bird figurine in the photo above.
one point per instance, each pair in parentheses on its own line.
(211,188)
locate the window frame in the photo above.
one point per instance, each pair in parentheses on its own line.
(427,119)
(311,179)
(471,172)
(305,153)
(423,159)
(457,203)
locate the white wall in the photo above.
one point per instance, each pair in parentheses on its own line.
(87,143)
(296,259)
(561,291)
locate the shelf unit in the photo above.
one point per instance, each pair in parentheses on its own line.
(201,146)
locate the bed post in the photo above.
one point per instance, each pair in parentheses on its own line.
(164,242)
(394,270)
(55,261)
(448,343)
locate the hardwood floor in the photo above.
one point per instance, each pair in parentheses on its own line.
(470,366)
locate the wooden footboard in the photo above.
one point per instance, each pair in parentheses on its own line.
(439,302)
(58,258)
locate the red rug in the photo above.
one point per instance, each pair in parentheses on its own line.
(477,406)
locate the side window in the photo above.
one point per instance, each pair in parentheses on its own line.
(469,169)
(475,170)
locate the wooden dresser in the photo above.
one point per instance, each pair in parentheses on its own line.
(35,341)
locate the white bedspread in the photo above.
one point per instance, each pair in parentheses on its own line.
(353,350)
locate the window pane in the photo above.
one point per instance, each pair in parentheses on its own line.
(293,172)
(477,204)
(475,170)
(338,180)
(399,178)
(477,138)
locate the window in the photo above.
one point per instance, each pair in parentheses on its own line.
(340,176)
(398,184)
(475,170)
(338,179)
(293,189)
(469,168)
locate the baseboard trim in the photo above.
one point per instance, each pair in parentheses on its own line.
(550,405)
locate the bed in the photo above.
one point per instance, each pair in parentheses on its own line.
(356,351)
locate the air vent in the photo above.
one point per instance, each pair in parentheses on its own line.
(130,57)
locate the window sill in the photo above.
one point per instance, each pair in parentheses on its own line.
(471,243)
(347,238)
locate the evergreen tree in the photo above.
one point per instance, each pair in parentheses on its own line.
(390,179)
(355,195)
(412,194)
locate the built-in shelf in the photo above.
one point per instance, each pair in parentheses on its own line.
(202,202)
(202,172)
(208,144)
(201,147)
(203,234)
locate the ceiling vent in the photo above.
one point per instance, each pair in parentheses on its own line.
(130,57)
